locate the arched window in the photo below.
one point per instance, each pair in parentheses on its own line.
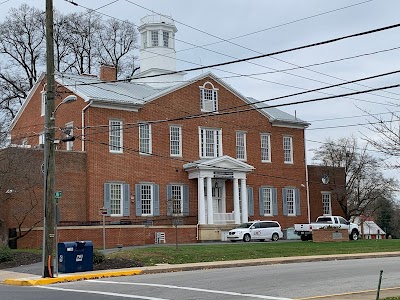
(208,97)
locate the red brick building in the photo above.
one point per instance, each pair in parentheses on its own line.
(154,150)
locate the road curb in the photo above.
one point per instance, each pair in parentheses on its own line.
(67,278)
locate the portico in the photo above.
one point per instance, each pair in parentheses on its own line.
(212,177)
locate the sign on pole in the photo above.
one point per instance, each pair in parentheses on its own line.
(58,194)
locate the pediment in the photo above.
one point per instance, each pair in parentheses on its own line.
(220,164)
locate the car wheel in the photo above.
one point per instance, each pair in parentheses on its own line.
(354,235)
(246,238)
(304,238)
(275,237)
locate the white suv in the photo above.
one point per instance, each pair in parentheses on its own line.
(256,230)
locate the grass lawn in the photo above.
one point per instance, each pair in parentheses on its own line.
(235,251)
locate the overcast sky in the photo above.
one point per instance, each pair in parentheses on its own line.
(269,26)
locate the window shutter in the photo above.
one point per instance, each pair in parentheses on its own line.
(260,201)
(138,201)
(126,200)
(156,200)
(297,201)
(107,200)
(250,200)
(169,203)
(185,200)
(274,202)
(201,99)
(285,210)
(215,100)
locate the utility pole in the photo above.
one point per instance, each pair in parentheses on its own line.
(49,241)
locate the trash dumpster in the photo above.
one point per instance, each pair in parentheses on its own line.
(75,256)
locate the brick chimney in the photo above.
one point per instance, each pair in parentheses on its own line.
(108,73)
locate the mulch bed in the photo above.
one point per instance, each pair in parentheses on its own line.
(27,258)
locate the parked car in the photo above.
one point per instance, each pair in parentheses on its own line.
(256,230)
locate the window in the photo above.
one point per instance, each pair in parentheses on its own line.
(210,143)
(116,199)
(175,140)
(265,148)
(176,200)
(326,203)
(208,98)
(290,203)
(144,39)
(287,150)
(144,139)
(154,38)
(70,132)
(115,136)
(41,139)
(165,39)
(147,199)
(267,201)
(43,104)
(241,145)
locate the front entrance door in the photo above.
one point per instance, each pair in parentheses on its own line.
(217,197)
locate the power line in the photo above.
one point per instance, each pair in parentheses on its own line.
(263,55)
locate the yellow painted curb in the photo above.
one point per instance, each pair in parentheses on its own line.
(45,281)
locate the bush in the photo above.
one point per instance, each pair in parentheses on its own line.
(98,257)
(6,254)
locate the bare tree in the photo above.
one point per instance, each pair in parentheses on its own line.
(386,137)
(117,39)
(82,41)
(365,186)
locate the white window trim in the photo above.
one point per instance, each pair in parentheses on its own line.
(150,139)
(180,140)
(330,203)
(41,138)
(244,145)
(270,199)
(70,144)
(217,131)
(181,199)
(294,202)
(43,103)
(214,94)
(151,38)
(121,200)
(269,147)
(121,143)
(291,149)
(151,199)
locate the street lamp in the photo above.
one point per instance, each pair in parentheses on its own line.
(49,206)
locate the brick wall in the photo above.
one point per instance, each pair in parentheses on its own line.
(330,235)
(335,187)
(130,235)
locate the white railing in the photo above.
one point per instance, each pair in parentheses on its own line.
(224,218)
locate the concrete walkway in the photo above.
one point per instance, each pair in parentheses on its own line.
(25,275)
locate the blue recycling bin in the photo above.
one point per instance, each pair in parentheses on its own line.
(75,256)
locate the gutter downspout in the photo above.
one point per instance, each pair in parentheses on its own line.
(307,188)
(83,124)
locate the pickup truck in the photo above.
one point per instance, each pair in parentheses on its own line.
(305,230)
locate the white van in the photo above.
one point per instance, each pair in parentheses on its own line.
(256,230)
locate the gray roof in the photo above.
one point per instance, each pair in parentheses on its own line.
(118,92)
(275,114)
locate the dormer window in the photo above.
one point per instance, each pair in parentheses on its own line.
(208,98)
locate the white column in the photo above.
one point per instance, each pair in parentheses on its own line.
(210,211)
(236,207)
(243,193)
(201,202)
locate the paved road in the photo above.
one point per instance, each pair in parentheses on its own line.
(274,282)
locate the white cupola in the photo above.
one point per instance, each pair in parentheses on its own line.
(157,51)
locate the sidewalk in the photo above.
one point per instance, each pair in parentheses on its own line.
(24,275)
